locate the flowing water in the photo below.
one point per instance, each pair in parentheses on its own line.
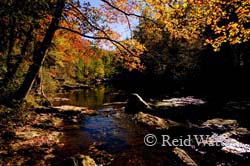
(113,137)
(112,131)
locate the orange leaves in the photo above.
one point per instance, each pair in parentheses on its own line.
(71,46)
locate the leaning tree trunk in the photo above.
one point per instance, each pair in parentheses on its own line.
(40,54)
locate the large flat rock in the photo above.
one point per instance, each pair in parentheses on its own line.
(154,122)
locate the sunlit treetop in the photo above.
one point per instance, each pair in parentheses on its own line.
(221,21)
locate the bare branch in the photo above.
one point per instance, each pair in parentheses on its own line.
(114,42)
(118,9)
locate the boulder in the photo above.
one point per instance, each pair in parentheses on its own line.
(67,110)
(179,102)
(136,104)
(230,137)
(75,110)
(220,124)
(228,144)
(183,157)
(79,160)
(70,108)
(154,122)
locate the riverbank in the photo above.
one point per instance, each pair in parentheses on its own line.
(107,135)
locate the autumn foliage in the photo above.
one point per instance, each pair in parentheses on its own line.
(74,40)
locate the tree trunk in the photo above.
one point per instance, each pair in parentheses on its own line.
(11,42)
(12,71)
(40,89)
(40,54)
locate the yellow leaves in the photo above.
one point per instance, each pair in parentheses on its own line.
(228,25)
(209,21)
(185,5)
(158,15)
(188,19)
(177,6)
(131,61)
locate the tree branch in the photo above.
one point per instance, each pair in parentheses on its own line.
(118,9)
(114,42)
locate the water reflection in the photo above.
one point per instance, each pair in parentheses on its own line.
(92,98)
(113,130)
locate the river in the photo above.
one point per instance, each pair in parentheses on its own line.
(113,138)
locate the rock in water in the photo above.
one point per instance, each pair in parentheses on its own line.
(74,110)
(228,144)
(154,122)
(220,124)
(79,160)
(184,157)
(136,104)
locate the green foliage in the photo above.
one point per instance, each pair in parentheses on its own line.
(97,68)
(109,63)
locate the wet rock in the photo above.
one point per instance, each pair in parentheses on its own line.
(228,144)
(74,86)
(230,140)
(60,99)
(114,103)
(154,122)
(79,160)
(179,102)
(74,110)
(240,131)
(90,112)
(66,108)
(136,104)
(100,156)
(220,124)
(184,158)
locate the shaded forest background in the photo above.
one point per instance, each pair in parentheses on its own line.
(196,46)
